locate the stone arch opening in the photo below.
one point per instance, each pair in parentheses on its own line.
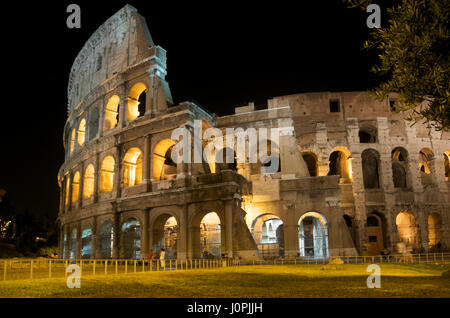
(164,168)
(312,163)
(81,132)
(435,232)
(313,235)
(106,240)
(112,113)
(367,134)
(371,166)
(407,231)
(132,167)
(131,238)
(107,174)
(447,165)
(210,236)
(425,159)
(375,233)
(73,244)
(339,165)
(75,187)
(165,233)
(88,185)
(399,167)
(137,101)
(86,243)
(268,232)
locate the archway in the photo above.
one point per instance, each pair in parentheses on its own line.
(137,101)
(82,132)
(67,192)
(86,243)
(447,165)
(311,162)
(106,240)
(131,234)
(399,167)
(75,187)
(164,168)
(367,134)
(107,174)
(132,167)
(435,232)
(112,112)
(374,234)
(370,165)
(268,233)
(88,185)
(407,230)
(72,141)
(210,236)
(165,233)
(339,166)
(313,235)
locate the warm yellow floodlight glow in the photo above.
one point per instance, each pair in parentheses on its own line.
(132,167)
(82,132)
(88,186)
(107,174)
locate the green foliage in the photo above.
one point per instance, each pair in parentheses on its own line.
(48,251)
(414,58)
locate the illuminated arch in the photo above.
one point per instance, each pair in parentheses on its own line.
(67,190)
(132,167)
(425,157)
(447,165)
(163,165)
(210,236)
(107,174)
(82,132)
(313,235)
(339,164)
(435,232)
(111,113)
(268,232)
(88,185)
(165,231)
(399,167)
(75,187)
(136,101)
(407,229)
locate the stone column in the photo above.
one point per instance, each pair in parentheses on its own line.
(145,234)
(229,209)
(146,172)
(79,242)
(96,177)
(413,167)
(95,240)
(386,173)
(182,252)
(69,201)
(123,106)
(118,172)
(116,235)
(81,185)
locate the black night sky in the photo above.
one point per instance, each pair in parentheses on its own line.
(221,54)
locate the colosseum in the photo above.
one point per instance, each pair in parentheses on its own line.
(354,177)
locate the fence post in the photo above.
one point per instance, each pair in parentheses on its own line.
(93,268)
(31,269)
(81,267)
(106,267)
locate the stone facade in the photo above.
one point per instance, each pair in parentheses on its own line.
(354,177)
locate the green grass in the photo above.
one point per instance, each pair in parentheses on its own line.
(397,280)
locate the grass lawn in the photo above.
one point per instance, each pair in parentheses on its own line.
(397,280)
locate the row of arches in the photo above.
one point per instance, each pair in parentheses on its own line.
(340,164)
(268,233)
(165,235)
(377,232)
(136,107)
